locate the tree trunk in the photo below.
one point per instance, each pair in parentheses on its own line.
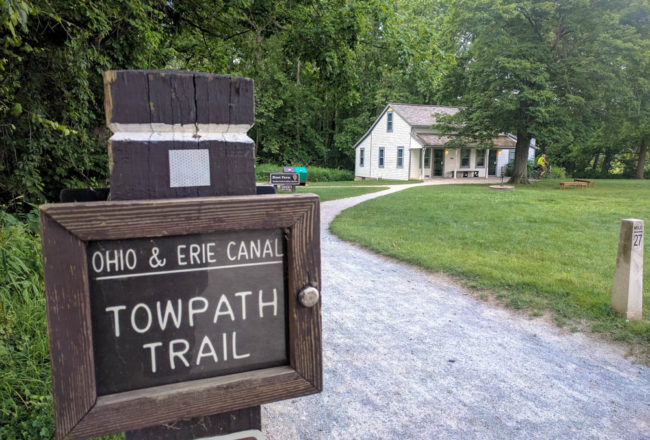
(520,169)
(643,150)
(596,157)
(607,164)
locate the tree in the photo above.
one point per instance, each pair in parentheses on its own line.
(53,134)
(540,69)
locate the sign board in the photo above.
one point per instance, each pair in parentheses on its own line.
(167,309)
(285,179)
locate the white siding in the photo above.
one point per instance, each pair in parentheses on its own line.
(415,172)
(502,160)
(452,161)
(378,137)
(363,171)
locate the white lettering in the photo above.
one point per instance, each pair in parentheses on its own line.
(173,353)
(149,318)
(273,303)
(152,347)
(114,261)
(230,256)
(223,301)
(210,253)
(98,267)
(267,248)
(242,296)
(193,311)
(180,255)
(116,317)
(195,250)
(169,311)
(132,258)
(224,340)
(277,250)
(242,251)
(255,249)
(211,353)
(234,348)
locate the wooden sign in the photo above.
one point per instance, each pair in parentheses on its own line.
(168,309)
(285,179)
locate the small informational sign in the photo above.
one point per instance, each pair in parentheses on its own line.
(285,179)
(160,310)
(186,307)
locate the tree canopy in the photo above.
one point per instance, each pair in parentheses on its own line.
(571,74)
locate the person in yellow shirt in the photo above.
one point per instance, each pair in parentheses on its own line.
(542,164)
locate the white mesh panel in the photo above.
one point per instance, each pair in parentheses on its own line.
(189,168)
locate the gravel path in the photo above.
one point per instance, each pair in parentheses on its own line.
(409,355)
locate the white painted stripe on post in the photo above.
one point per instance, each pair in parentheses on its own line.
(170,136)
(202,131)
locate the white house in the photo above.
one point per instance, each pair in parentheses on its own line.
(401,145)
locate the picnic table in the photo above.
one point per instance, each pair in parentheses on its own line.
(563,185)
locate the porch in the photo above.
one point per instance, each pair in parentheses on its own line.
(462,163)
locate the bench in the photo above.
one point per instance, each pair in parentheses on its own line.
(587,181)
(563,185)
(465,173)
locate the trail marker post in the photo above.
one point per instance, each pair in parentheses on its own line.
(177,308)
(627,292)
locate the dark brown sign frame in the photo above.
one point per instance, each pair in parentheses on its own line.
(66,230)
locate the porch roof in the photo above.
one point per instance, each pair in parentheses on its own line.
(434,140)
(431,140)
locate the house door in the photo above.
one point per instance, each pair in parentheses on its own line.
(438,162)
(492,162)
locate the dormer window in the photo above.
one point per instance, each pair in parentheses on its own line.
(389,121)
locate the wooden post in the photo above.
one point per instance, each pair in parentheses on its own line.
(181,134)
(627,293)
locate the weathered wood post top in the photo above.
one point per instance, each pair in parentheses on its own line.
(179,134)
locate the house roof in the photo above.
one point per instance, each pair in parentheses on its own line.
(430,139)
(421,115)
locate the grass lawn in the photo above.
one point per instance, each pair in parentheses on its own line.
(326,194)
(362,183)
(537,248)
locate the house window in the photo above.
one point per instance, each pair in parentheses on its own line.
(464,157)
(362,153)
(381,157)
(389,122)
(400,157)
(427,157)
(511,156)
(480,158)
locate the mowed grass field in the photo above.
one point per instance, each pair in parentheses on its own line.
(334,193)
(362,183)
(537,248)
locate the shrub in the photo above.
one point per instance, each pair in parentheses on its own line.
(314,173)
(558,172)
(25,384)
(511,166)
